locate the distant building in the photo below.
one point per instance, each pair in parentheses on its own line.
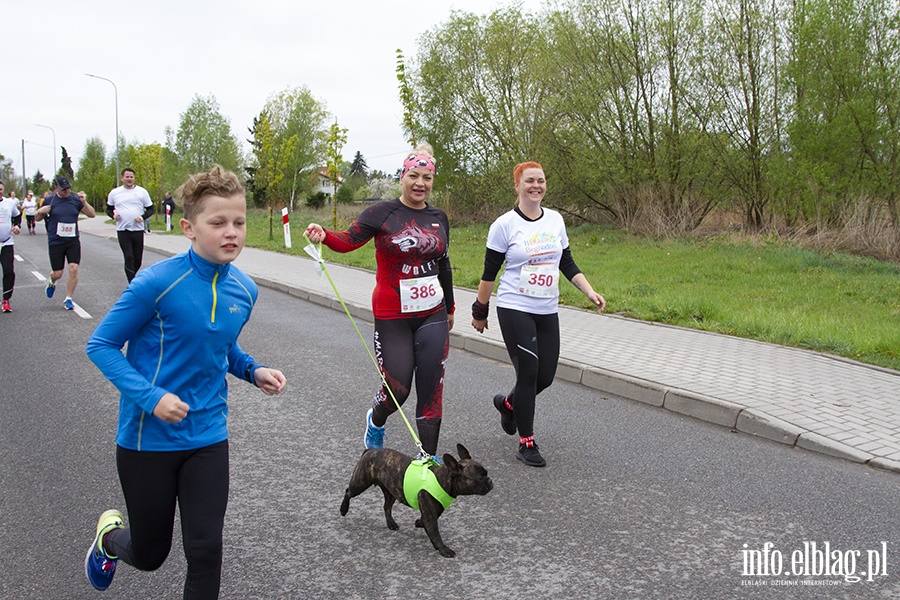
(325,184)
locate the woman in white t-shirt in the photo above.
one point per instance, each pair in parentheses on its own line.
(532,241)
(29,205)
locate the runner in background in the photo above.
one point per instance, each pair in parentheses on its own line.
(10,218)
(61,212)
(130,206)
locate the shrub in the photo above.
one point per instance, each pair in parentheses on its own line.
(316,200)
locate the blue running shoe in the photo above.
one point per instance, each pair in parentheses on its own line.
(98,565)
(69,304)
(51,287)
(374,435)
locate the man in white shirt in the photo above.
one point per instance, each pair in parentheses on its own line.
(130,205)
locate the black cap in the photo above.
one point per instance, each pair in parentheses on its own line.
(62,183)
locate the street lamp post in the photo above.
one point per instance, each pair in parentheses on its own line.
(116,179)
(24,176)
(55,163)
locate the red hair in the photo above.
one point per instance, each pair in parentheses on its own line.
(517,172)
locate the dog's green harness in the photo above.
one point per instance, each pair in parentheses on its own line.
(419,477)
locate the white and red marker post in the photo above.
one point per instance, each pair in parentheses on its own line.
(168,218)
(287,227)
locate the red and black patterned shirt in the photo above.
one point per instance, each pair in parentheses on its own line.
(413,267)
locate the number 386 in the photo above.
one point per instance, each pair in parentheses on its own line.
(423,291)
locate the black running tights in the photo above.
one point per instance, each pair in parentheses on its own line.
(132,245)
(417,345)
(532,342)
(8,262)
(151,483)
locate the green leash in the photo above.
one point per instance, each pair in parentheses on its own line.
(316,255)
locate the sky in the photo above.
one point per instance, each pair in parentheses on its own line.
(160,55)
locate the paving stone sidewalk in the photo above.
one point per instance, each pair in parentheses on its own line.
(811,400)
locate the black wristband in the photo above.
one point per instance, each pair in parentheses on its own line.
(248,372)
(480,310)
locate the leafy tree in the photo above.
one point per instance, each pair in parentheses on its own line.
(93,173)
(292,113)
(257,191)
(845,70)
(66,164)
(738,81)
(384,188)
(273,154)
(625,139)
(316,199)
(411,124)
(204,138)
(482,93)
(344,194)
(358,168)
(38,183)
(147,162)
(7,172)
(337,137)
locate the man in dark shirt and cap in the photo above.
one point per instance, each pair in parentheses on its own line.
(61,211)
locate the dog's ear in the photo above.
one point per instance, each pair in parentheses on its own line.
(451,462)
(463,453)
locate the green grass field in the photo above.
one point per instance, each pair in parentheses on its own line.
(763,290)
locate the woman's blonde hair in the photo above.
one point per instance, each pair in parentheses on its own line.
(199,186)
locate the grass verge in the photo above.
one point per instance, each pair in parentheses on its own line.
(759,289)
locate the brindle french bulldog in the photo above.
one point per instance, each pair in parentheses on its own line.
(389,470)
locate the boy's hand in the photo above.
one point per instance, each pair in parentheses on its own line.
(171,409)
(270,381)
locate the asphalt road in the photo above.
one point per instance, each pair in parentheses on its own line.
(636,502)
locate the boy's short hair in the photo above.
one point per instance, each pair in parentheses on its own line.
(216,182)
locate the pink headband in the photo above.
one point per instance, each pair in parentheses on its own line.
(414,161)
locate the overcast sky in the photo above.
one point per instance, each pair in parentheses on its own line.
(161,54)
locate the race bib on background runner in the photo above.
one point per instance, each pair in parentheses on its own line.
(65,229)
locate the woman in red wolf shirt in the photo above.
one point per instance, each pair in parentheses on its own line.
(412,302)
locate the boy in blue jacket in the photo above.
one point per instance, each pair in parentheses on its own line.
(181,319)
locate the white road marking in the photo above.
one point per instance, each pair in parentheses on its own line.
(77,310)
(81,312)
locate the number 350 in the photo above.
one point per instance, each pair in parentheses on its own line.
(540,280)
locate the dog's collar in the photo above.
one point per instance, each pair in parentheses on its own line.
(419,477)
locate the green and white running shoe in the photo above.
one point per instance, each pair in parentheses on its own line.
(98,565)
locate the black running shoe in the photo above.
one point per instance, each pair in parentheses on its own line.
(530,455)
(507,420)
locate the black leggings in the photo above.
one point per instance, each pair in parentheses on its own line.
(7,263)
(132,245)
(151,483)
(532,342)
(417,345)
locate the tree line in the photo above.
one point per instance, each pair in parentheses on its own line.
(289,139)
(655,115)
